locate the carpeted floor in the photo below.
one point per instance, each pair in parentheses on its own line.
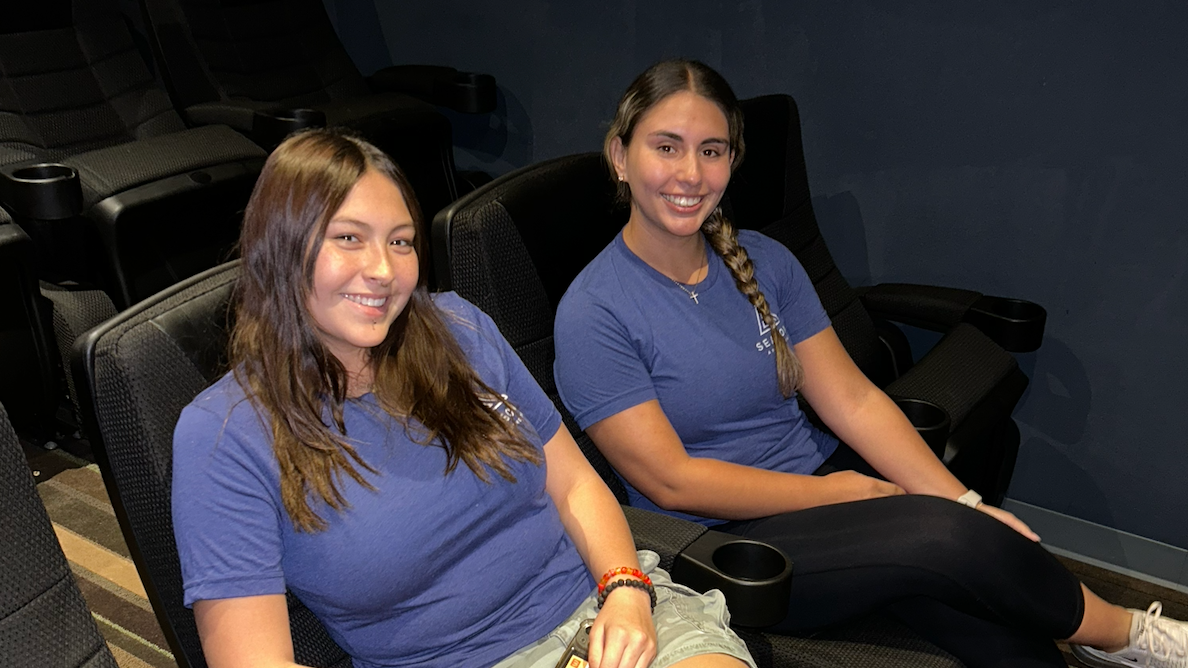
(72,489)
(73,493)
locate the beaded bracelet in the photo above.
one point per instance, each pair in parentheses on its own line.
(637,584)
(623,570)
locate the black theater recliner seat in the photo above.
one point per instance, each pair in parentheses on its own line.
(226,61)
(969,373)
(512,247)
(43,618)
(159,202)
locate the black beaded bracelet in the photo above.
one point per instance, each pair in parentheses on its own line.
(638,584)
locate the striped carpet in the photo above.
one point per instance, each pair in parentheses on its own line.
(72,489)
(73,492)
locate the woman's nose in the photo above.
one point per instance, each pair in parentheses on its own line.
(690,168)
(379,264)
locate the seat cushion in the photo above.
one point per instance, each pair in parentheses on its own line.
(108,171)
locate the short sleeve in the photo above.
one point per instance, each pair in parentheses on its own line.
(225,520)
(521,388)
(802,313)
(598,368)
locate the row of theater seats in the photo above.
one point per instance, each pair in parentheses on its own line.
(131,134)
(512,247)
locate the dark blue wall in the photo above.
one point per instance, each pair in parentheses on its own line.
(1027,148)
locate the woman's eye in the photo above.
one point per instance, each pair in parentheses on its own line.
(711,153)
(665,149)
(347,237)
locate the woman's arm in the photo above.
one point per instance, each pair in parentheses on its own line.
(865,418)
(645,449)
(623,635)
(248,632)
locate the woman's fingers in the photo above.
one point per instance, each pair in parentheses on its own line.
(1009,520)
(623,635)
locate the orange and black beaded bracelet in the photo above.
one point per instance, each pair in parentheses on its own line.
(603,592)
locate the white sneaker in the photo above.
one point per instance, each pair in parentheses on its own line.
(1155,642)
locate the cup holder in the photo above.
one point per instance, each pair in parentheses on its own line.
(931,421)
(48,191)
(1015,324)
(271,126)
(755,577)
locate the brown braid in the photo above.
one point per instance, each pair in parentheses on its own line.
(723,238)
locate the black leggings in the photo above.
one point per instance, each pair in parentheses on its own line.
(957,576)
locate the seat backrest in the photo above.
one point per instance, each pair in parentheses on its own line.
(43,618)
(28,378)
(135,374)
(283,52)
(73,80)
(513,246)
(769,192)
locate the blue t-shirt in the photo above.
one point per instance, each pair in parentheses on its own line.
(428,569)
(625,334)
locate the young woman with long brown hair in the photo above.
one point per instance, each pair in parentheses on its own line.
(680,350)
(383,454)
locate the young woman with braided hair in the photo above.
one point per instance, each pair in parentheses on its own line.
(665,347)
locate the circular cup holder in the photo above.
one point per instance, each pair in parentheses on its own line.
(931,422)
(44,173)
(749,560)
(48,191)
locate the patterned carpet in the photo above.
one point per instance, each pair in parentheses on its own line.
(72,489)
(73,493)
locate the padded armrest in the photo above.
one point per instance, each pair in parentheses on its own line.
(1015,324)
(665,535)
(754,577)
(962,369)
(927,306)
(467,92)
(238,115)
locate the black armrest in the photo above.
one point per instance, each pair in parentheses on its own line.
(467,92)
(755,578)
(1015,324)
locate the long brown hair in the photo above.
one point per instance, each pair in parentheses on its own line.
(649,89)
(421,374)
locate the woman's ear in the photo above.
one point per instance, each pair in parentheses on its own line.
(618,156)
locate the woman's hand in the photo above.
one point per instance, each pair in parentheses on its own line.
(846,486)
(623,635)
(1009,520)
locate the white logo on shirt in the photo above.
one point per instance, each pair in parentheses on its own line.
(503,408)
(765,343)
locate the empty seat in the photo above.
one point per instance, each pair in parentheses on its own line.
(159,202)
(227,61)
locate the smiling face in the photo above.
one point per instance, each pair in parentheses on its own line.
(365,271)
(677,164)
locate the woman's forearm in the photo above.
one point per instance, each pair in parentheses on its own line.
(879,432)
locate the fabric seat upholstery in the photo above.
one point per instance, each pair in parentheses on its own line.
(44,622)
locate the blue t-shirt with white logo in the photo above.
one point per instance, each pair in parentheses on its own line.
(428,569)
(626,334)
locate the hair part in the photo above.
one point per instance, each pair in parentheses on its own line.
(421,375)
(655,84)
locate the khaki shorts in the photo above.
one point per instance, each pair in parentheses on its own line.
(687,624)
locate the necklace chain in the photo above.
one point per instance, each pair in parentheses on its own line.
(692,293)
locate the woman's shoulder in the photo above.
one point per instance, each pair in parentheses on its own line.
(599,282)
(220,411)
